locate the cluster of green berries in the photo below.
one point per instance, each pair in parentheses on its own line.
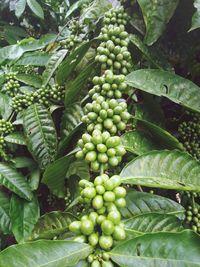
(108,85)
(6,127)
(48,94)
(113,52)
(2,144)
(43,95)
(109,115)
(71,42)
(116,17)
(191,195)
(74,39)
(22,101)
(67,198)
(26,69)
(11,87)
(189,132)
(100,259)
(103,225)
(100,149)
(193,218)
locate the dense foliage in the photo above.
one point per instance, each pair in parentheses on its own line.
(99,133)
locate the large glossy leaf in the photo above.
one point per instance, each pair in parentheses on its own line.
(13,52)
(138,203)
(48,253)
(10,52)
(20,7)
(156,15)
(24,216)
(72,91)
(196,17)
(70,124)
(152,222)
(30,79)
(16,138)
(144,49)
(53,63)
(36,8)
(40,134)
(5,106)
(14,181)
(52,224)
(69,64)
(31,44)
(74,7)
(160,136)
(79,168)
(13,34)
(138,142)
(34,59)
(23,162)
(164,83)
(54,176)
(143,110)
(4,213)
(159,249)
(164,169)
(95,10)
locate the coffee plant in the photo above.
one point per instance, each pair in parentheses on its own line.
(99,133)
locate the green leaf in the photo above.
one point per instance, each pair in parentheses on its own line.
(138,203)
(36,8)
(95,10)
(138,142)
(16,138)
(34,59)
(160,136)
(69,64)
(14,181)
(57,169)
(196,17)
(145,51)
(72,92)
(30,79)
(46,253)
(13,34)
(24,216)
(52,224)
(164,169)
(10,52)
(5,106)
(79,168)
(167,84)
(34,179)
(70,124)
(40,134)
(53,64)
(83,263)
(75,6)
(31,44)
(156,15)
(143,110)
(20,7)
(151,223)
(4,213)
(13,52)
(23,162)
(159,249)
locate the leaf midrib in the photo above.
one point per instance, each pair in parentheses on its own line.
(148,258)
(41,130)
